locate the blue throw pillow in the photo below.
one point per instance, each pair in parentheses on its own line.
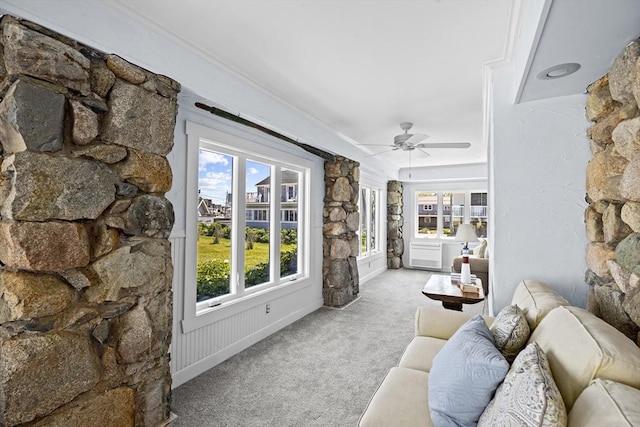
(465,375)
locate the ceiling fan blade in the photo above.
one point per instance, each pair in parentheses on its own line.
(416,138)
(444,145)
(378,145)
(381,152)
(424,152)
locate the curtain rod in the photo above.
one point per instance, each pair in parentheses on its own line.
(237,119)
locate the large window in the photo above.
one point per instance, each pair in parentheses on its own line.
(251,237)
(438,214)
(368,230)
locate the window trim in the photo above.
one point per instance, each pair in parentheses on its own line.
(369,189)
(252,146)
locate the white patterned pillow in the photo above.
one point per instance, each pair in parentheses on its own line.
(510,331)
(528,397)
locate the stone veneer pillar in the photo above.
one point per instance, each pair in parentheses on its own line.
(85,283)
(340,280)
(395,242)
(613,193)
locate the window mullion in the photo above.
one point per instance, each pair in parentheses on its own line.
(440,213)
(467,205)
(274,222)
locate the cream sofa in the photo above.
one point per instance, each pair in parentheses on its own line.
(596,368)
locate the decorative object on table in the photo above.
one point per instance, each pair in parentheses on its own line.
(465,269)
(466,233)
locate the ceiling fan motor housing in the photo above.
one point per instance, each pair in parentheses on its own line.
(401,139)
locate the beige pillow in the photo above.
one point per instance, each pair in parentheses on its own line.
(510,331)
(606,403)
(479,251)
(528,396)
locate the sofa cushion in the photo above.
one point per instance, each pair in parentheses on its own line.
(420,352)
(438,323)
(606,403)
(581,347)
(510,331)
(536,299)
(529,376)
(480,250)
(401,400)
(464,375)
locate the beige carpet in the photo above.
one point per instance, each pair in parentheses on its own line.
(320,371)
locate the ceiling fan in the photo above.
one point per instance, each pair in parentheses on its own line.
(411,141)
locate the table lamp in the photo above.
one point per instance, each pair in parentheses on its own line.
(466,233)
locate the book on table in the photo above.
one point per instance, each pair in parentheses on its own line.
(455,277)
(468,288)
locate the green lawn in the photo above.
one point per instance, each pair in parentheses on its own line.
(259,254)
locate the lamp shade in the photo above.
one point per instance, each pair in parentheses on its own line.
(466,233)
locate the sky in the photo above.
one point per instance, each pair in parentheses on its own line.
(215,175)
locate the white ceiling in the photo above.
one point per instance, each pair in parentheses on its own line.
(362,67)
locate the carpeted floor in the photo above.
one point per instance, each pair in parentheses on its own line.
(320,371)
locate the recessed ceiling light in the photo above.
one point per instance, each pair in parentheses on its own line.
(557,71)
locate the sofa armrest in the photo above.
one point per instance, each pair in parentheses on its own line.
(439,323)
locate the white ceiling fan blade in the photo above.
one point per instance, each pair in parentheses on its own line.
(424,152)
(416,138)
(378,145)
(444,145)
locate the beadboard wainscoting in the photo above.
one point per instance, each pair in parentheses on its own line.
(198,350)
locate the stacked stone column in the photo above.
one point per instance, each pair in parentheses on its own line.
(395,242)
(613,192)
(85,283)
(340,244)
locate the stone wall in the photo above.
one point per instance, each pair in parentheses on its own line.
(613,193)
(395,243)
(85,277)
(340,280)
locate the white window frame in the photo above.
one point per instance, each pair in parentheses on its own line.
(441,211)
(245,145)
(376,249)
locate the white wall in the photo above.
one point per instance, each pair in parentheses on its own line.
(539,154)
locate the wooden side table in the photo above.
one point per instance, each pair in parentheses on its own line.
(439,287)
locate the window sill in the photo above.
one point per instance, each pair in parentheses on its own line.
(227,309)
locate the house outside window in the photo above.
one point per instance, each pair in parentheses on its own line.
(427,215)
(438,214)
